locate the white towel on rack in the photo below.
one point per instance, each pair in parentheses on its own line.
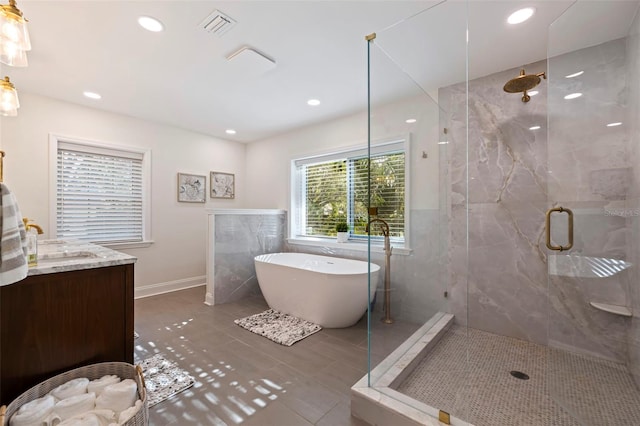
(13,240)
(33,412)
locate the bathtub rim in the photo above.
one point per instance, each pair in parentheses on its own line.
(375,268)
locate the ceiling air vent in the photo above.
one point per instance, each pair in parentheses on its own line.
(217,23)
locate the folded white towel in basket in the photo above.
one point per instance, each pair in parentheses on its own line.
(90,418)
(71,388)
(84,420)
(33,412)
(75,405)
(129,412)
(97,386)
(13,239)
(118,397)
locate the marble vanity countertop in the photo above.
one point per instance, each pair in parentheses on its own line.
(61,256)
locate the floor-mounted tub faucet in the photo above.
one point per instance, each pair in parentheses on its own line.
(384,226)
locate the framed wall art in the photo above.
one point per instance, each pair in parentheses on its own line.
(223,185)
(192,188)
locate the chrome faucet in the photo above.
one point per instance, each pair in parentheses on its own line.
(384,227)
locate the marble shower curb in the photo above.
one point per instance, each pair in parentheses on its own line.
(380,403)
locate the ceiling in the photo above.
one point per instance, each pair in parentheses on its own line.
(181,76)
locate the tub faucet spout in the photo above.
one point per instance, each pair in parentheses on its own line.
(384,227)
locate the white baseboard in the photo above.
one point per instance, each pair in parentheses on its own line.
(208,299)
(169,286)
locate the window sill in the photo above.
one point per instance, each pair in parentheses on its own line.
(349,245)
(121,246)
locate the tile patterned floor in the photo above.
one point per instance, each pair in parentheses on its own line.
(467,375)
(245,379)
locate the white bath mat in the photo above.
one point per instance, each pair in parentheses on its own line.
(163,379)
(278,327)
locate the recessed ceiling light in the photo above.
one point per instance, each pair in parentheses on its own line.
(533,93)
(410,121)
(573,96)
(313,102)
(150,24)
(521,15)
(574,74)
(617,123)
(92,95)
(534,127)
(230,132)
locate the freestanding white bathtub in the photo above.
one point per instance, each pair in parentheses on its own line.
(328,291)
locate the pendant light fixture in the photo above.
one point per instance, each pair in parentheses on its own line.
(14,36)
(9,103)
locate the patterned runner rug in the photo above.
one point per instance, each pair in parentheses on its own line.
(163,379)
(278,327)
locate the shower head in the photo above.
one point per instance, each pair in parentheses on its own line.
(522,83)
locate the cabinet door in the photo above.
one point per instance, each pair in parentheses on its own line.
(54,322)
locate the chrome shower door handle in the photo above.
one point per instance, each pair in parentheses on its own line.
(569,230)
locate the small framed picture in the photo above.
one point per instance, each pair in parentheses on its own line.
(192,188)
(222,185)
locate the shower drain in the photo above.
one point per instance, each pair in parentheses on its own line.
(519,375)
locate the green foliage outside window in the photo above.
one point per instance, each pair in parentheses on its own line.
(332,186)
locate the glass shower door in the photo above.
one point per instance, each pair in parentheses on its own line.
(406,64)
(591,225)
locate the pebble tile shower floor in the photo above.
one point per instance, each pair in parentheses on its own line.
(245,379)
(467,375)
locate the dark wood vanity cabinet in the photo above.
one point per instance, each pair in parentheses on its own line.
(55,322)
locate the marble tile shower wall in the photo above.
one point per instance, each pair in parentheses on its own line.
(417,291)
(504,289)
(238,239)
(515,175)
(633,200)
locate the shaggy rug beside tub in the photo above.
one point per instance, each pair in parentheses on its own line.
(163,379)
(278,327)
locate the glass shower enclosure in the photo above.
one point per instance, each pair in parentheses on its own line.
(515,297)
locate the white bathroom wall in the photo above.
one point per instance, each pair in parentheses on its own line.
(269,161)
(179,230)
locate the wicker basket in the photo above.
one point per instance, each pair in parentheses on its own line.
(91,372)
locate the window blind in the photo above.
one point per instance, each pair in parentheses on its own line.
(334,187)
(324,196)
(387,193)
(99,194)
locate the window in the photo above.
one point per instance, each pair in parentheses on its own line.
(100,192)
(332,188)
